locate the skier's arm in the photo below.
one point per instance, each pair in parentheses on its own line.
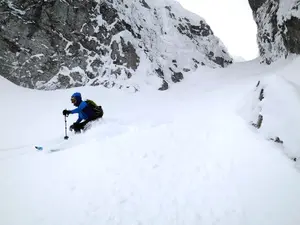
(77,110)
(80,108)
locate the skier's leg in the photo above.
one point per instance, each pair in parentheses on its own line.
(83,125)
(76,128)
(79,126)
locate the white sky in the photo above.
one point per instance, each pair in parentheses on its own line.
(231,21)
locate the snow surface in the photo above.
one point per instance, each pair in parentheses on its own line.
(184,156)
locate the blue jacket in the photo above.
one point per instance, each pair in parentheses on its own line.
(85,112)
(79,110)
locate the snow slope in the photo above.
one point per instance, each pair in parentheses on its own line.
(184,156)
(279,107)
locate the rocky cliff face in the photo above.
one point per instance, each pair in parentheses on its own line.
(278,23)
(51,44)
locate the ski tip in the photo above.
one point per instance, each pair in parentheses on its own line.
(39,148)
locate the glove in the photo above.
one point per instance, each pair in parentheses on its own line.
(66,112)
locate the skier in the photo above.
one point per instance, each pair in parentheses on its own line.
(87,111)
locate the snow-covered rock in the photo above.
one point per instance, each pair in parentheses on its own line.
(278,25)
(53,44)
(274,108)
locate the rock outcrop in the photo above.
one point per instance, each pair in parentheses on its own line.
(278,24)
(53,44)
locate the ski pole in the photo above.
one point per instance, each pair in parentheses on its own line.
(66,135)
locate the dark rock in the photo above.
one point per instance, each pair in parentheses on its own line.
(261,95)
(278,35)
(144,4)
(160,73)
(176,76)
(76,76)
(165,86)
(259,122)
(171,14)
(277,140)
(292,38)
(196,61)
(256,4)
(109,14)
(129,59)
(63,81)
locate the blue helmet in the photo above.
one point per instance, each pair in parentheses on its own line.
(76,98)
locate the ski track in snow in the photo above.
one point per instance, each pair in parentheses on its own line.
(181,157)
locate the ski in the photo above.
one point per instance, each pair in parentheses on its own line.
(49,150)
(39,148)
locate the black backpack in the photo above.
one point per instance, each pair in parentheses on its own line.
(97,109)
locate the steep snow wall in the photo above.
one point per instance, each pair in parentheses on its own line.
(273,107)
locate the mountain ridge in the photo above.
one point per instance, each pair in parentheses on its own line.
(122,44)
